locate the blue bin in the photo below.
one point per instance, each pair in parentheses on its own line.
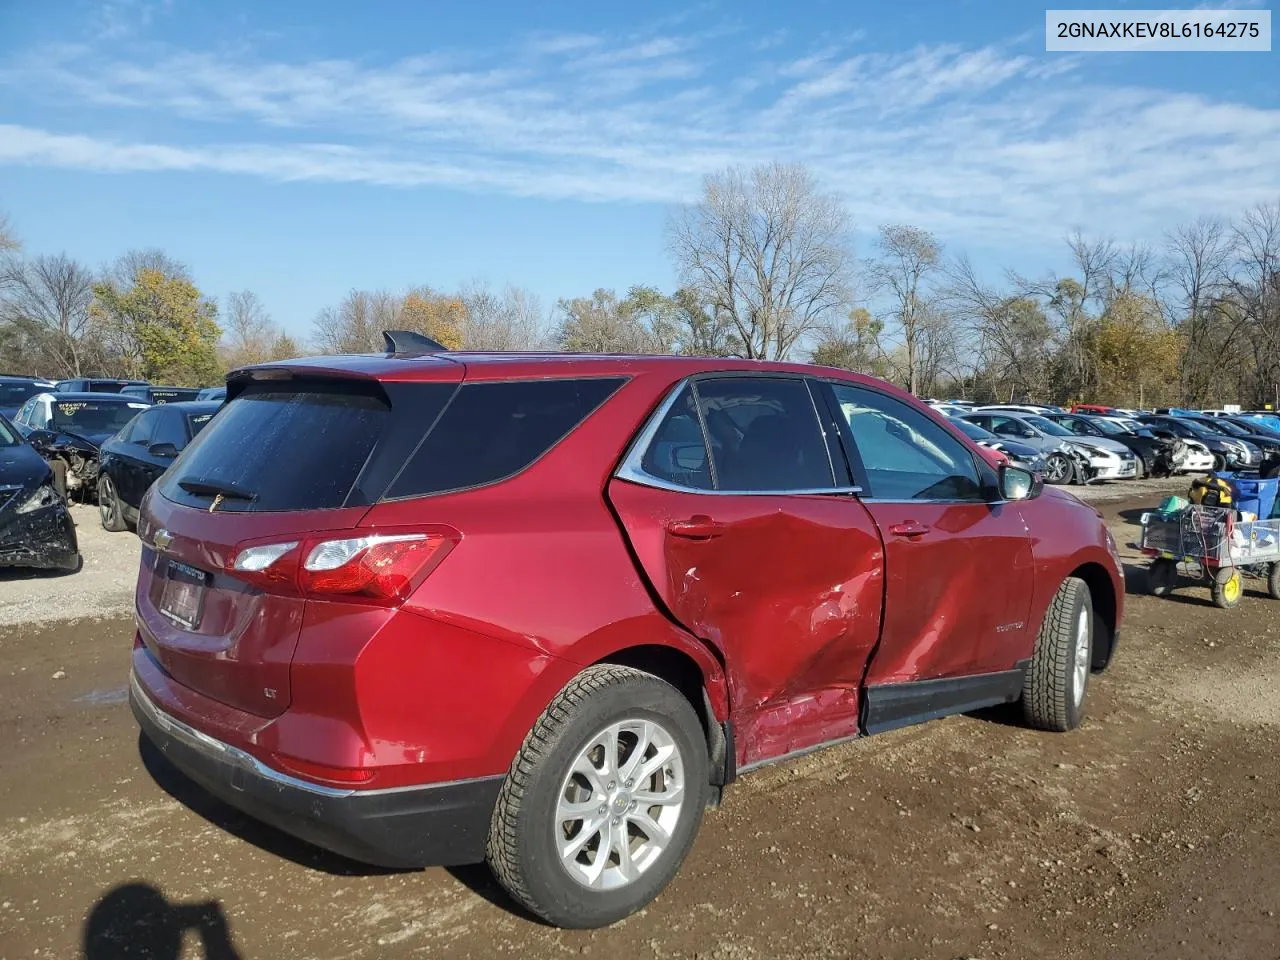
(1255,495)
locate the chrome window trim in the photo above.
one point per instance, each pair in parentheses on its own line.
(632,470)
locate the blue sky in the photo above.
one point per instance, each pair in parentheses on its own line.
(300,149)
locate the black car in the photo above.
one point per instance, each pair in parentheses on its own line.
(14,392)
(1266,441)
(154,394)
(95,385)
(36,529)
(1155,454)
(1229,453)
(131,460)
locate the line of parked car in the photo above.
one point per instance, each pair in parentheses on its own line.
(85,438)
(1090,443)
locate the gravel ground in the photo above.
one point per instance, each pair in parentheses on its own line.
(103,586)
(1153,831)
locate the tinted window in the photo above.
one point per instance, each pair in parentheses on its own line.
(490,431)
(677,452)
(170,428)
(764,435)
(13,394)
(905,454)
(171,394)
(8,437)
(300,446)
(143,428)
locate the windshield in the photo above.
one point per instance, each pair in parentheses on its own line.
(93,416)
(8,436)
(1106,426)
(1048,426)
(16,394)
(1227,427)
(973,431)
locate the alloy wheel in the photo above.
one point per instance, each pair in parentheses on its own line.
(1081,665)
(619,805)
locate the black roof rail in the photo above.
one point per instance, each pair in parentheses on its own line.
(407,341)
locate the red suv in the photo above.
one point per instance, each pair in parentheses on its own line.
(541,610)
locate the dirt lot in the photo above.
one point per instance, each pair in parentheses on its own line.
(1154,831)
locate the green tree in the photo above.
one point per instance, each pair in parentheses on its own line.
(160,326)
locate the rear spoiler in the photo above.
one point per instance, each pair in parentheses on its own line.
(407,341)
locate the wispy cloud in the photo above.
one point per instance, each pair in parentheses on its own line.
(962,139)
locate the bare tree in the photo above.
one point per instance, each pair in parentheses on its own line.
(908,262)
(125,270)
(356,324)
(47,300)
(1197,263)
(767,252)
(251,335)
(8,239)
(512,320)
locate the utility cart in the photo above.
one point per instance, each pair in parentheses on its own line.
(1214,542)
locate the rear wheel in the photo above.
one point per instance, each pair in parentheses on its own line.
(1054,686)
(110,510)
(1228,588)
(603,800)
(1058,469)
(1162,576)
(1273,581)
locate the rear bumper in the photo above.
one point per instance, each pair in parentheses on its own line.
(444,824)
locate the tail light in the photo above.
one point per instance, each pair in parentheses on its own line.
(379,568)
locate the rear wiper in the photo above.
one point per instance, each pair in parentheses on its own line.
(217,488)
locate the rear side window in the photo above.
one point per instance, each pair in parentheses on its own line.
(491,431)
(764,435)
(170,428)
(677,452)
(295,446)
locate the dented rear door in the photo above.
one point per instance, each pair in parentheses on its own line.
(787,585)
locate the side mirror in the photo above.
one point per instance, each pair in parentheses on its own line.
(162,450)
(1018,484)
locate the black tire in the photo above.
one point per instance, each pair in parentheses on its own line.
(1273,581)
(59,468)
(522,849)
(1162,576)
(1219,463)
(1227,588)
(1140,470)
(1059,465)
(110,510)
(1053,689)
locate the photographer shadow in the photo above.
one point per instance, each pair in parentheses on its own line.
(135,921)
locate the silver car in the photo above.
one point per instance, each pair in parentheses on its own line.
(1068,458)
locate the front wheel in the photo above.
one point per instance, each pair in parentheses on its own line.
(1219,463)
(603,800)
(110,510)
(1058,469)
(1273,581)
(1054,686)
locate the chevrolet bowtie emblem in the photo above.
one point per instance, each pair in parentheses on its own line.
(163,540)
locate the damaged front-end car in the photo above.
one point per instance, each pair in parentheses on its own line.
(36,529)
(73,459)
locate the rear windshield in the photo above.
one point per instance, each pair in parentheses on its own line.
(172,394)
(92,416)
(16,394)
(299,446)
